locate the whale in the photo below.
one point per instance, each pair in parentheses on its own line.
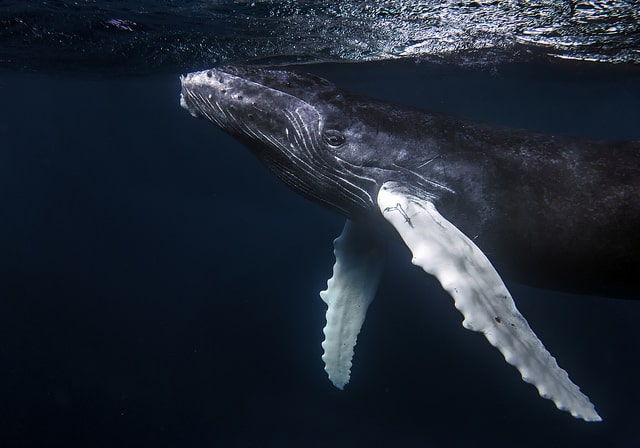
(468,199)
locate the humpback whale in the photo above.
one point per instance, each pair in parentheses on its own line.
(468,199)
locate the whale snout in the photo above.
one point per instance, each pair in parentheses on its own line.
(198,89)
(218,94)
(185,104)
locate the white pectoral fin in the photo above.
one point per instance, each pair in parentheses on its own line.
(356,273)
(480,295)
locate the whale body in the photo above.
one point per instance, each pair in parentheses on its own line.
(468,199)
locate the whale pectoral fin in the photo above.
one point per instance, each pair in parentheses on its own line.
(359,258)
(443,251)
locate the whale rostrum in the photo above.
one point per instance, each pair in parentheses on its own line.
(468,200)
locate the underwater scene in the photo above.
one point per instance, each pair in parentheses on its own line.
(161,275)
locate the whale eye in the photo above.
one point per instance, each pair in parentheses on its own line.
(333,138)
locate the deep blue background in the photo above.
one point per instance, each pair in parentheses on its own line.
(158,287)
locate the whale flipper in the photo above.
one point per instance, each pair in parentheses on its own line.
(359,258)
(479,293)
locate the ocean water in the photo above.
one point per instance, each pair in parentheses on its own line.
(158,287)
(150,35)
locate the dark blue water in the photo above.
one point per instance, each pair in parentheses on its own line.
(158,287)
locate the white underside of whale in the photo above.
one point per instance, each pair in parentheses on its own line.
(442,250)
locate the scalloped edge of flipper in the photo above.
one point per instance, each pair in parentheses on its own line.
(442,250)
(356,274)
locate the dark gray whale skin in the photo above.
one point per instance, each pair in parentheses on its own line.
(553,212)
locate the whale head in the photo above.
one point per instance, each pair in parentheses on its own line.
(324,143)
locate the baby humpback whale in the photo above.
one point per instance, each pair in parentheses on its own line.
(555,211)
